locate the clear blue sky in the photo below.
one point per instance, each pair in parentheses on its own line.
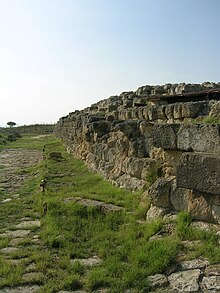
(57,56)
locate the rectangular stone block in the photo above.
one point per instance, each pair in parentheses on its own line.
(199,138)
(164,136)
(199,171)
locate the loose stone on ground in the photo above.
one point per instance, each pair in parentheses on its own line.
(28,224)
(22,289)
(89,262)
(16,233)
(8,250)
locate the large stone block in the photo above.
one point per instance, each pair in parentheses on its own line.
(159,193)
(164,136)
(179,197)
(199,172)
(199,206)
(100,127)
(129,128)
(199,138)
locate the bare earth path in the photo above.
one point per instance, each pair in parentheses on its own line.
(19,223)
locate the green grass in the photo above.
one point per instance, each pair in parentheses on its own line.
(211,120)
(71,231)
(29,142)
(10,274)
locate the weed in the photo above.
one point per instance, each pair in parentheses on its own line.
(211,120)
(150,178)
(183,228)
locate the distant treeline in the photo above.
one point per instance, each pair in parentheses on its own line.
(35,129)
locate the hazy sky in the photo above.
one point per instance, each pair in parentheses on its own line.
(57,56)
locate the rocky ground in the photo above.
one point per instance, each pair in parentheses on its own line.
(22,231)
(17,230)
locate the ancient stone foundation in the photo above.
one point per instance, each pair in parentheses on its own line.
(155,139)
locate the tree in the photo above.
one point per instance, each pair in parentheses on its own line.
(11,124)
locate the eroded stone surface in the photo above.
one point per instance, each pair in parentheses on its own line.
(213,270)
(194,264)
(185,281)
(199,171)
(94,203)
(21,289)
(28,224)
(211,283)
(92,261)
(155,212)
(8,250)
(159,193)
(158,280)
(16,233)
(16,241)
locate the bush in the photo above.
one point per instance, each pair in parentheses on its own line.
(11,138)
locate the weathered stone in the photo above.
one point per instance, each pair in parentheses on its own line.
(169,112)
(213,270)
(9,250)
(89,262)
(129,128)
(164,136)
(28,224)
(16,233)
(179,197)
(199,206)
(146,128)
(155,212)
(200,172)
(94,203)
(152,113)
(159,192)
(6,200)
(158,281)
(21,289)
(161,113)
(130,183)
(16,241)
(199,138)
(194,264)
(186,281)
(100,127)
(215,109)
(135,167)
(215,206)
(191,109)
(212,284)
(201,225)
(177,111)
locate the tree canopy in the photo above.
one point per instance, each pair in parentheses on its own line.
(11,123)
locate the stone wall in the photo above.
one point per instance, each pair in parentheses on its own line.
(141,140)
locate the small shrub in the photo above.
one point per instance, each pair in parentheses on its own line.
(97,278)
(11,138)
(151,178)
(183,228)
(72,282)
